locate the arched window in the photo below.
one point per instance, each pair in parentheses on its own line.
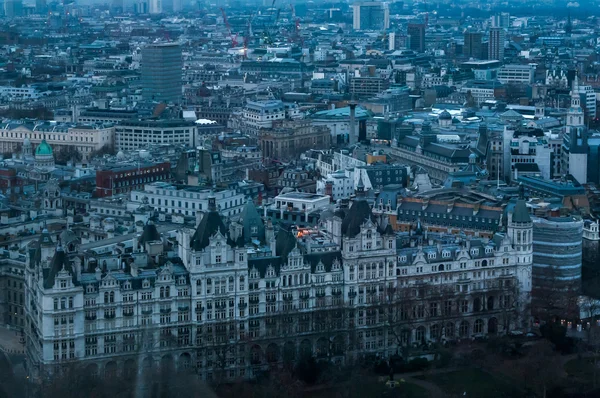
(477,304)
(284,281)
(306,279)
(478,327)
(463,330)
(106,297)
(112,297)
(289,280)
(63,303)
(167,291)
(420,334)
(162,292)
(231,284)
(484,263)
(441,267)
(449,330)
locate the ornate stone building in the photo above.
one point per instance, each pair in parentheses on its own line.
(238,299)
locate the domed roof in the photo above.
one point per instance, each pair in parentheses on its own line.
(26,141)
(445,115)
(120,155)
(43,148)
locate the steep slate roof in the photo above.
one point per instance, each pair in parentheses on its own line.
(45,240)
(251,218)
(358,214)
(262,264)
(327,258)
(210,224)
(150,233)
(285,241)
(520,212)
(59,261)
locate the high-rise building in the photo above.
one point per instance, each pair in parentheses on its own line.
(161,72)
(370,16)
(416,36)
(13,8)
(496,44)
(587,95)
(501,20)
(40,6)
(473,44)
(557,259)
(155,6)
(140,7)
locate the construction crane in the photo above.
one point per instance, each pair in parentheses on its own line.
(233,38)
(248,35)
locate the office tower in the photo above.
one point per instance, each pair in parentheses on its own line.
(13,8)
(416,37)
(501,20)
(370,16)
(140,7)
(496,44)
(587,95)
(40,6)
(473,44)
(161,72)
(155,7)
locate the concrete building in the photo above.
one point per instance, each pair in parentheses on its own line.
(132,135)
(520,74)
(187,200)
(530,153)
(587,97)
(288,138)
(371,15)
(84,138)
(497,37)
(161,78)
(13,8)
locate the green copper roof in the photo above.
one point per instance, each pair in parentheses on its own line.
(43,149)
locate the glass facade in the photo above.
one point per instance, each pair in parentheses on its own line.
(162,72)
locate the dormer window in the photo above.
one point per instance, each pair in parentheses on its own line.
(127,285)
(369,234)
(445,254)
(146,284)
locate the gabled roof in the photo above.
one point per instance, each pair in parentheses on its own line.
(285,242)
(359,212)
(520,212)
(59,261)
(251,219)
(150,233)
(210,224)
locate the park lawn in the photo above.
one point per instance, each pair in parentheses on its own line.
(582,369)
(371,388)
(475,382)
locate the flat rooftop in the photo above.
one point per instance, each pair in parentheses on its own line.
(301,196)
